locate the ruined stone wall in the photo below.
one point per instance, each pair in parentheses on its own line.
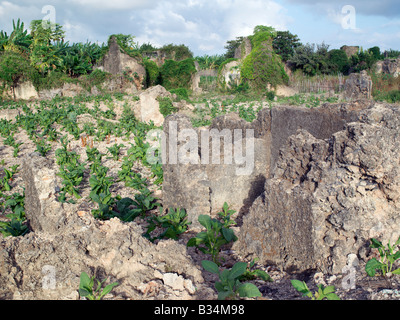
(203,188)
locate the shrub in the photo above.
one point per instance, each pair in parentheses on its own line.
(177,74)
(339,61)
(177,52)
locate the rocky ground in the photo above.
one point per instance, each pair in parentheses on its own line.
(164,270)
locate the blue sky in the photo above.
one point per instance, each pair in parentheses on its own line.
(205,25)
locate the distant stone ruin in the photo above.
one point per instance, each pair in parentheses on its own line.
(117,62)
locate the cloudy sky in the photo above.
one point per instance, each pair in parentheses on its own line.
(205,25)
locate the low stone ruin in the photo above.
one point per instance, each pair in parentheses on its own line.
(325,181)
(203,188)
(388,66)
(358,86)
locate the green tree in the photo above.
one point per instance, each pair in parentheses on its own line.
(262,34)
(44,55)
(363,60)
(79,58)
(376,53)
(210,62)
(262,67)
(312,59)
(127,43)
(231,47)
(285,43)
(339,61)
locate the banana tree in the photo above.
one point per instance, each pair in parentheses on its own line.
(19,40)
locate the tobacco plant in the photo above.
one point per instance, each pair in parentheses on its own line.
(88,290)
(115,150)
(229,285)
(211,240)
(251,273)
(322,293)
(174,223)
(388,256)
(16,226)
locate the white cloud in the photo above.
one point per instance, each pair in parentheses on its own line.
(113,5)
(206,26)
(243,16)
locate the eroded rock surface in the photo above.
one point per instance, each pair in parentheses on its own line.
(47,262)
(329,197)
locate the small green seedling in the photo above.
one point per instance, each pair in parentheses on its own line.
(225,216)
(14,228)
(211,240)
(87,290)
(174,223)
(114,151)
(251,273)
(387,258)
(322,293)
(229,287)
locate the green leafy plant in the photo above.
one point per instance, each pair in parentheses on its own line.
(99,182)
(322,293)
(211,240)
(251,273)
(4,182)
(115,150)
(387,258)
(71,176)
(138,150)
(135,180)
(145,201)
(166,106)
(225,216)
(64,155)
(105,203)
(13,228)
(16,226)
(7,177)
(87,288)
(230,286)
(174,223)
(42,147)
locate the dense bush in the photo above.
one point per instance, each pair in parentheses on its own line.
(177,74)
(262,67)
(166,106)
(285,43)
(14,69)
(152,73)
(177,52)
(338,61)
